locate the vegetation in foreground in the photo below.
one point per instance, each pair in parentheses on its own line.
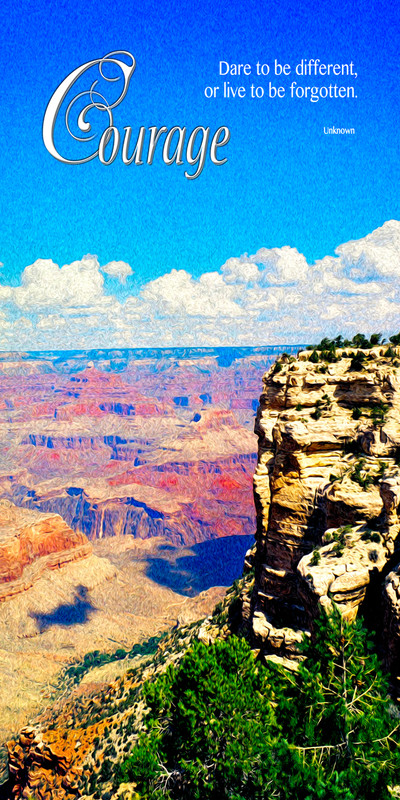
(220,725)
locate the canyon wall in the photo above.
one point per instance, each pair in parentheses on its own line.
(327,494)
(31,543)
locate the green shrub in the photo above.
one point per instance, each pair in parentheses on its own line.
(341,539)
(315,558)
(357,362)
(338,549)
(277,367)
(317,414)
(375,339)
(222,727)
(358,475)
(366,536)
(323,404)
(329,346)
(378,413)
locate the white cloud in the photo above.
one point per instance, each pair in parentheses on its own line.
(45,285)
(281,265)
(378,254)
(118,269)
(240,270)
(178,294)
(271,296)
(51,322)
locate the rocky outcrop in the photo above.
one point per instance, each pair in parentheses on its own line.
(39,769)
(327,494)
(342,571)
(31,543)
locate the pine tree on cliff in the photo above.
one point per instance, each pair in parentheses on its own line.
(221,726)
(344,725)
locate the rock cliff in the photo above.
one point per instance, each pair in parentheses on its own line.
(31,543)
(327,494)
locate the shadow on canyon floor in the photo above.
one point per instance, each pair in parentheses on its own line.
(75,613)
(214,563)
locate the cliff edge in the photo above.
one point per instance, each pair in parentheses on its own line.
(31,543)
(327,495)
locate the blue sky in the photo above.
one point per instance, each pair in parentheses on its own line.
(285,183)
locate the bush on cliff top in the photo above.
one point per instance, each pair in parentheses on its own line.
(359,340)
(222,726)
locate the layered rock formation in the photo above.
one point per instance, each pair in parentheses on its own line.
(31,543)
(152,444)
(186,501)
(327,493)
(119,448)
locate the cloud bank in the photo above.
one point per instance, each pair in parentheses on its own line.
(273,296)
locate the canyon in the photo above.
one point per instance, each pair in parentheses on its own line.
(327,502)
(153,444)
(125,503)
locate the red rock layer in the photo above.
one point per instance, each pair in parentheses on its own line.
(30,543)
